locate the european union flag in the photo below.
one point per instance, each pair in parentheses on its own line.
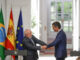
(19,34)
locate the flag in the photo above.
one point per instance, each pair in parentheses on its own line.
(19,33)
(2,36)
(10,39)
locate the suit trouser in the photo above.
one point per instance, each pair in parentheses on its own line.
(60,58)
(30,58)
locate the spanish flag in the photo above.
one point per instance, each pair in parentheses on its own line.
(10,40)
(2,36)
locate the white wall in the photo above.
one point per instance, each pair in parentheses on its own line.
(16,5)
(43,19)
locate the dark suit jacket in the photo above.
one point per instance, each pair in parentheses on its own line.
(60,45)
(30,47)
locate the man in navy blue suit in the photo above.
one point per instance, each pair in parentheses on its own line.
(59,43)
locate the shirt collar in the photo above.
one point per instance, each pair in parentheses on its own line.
(30,37)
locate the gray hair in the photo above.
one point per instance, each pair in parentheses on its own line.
(27,30)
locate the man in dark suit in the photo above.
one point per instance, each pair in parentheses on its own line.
(29,44)
(59,43)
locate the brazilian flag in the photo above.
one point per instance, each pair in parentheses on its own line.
(2,36)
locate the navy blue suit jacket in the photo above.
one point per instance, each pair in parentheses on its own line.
(60,45)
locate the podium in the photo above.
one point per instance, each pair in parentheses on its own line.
(75,53)
(16,52)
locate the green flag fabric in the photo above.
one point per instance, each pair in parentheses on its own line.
(2,36)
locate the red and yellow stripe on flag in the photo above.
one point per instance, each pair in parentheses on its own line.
(10,40)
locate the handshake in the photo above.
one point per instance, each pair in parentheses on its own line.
(43,47)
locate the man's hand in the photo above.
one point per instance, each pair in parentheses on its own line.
(43,47)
